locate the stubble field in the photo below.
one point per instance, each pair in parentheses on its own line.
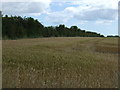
(63,62)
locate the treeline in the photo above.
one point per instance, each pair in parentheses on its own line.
(113,36)
(18,27)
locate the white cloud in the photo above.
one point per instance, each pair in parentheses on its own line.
(26,1)
(58,17)
(104,22)
(87,10)
(95,3)
(95,9)
(18,8)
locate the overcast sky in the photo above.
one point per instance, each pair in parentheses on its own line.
(93,15)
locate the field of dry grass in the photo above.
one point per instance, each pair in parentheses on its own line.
(66,62)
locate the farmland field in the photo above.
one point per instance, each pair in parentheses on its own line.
(63,62)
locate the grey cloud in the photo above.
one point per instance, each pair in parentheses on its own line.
(98,14)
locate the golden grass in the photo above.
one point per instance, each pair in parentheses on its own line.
(66,62)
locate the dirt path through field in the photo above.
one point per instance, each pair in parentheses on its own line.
(88,45)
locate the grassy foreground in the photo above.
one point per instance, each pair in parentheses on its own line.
(66,62)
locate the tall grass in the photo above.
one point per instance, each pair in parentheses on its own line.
(73,62)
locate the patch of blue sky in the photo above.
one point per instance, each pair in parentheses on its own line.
(60,6)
